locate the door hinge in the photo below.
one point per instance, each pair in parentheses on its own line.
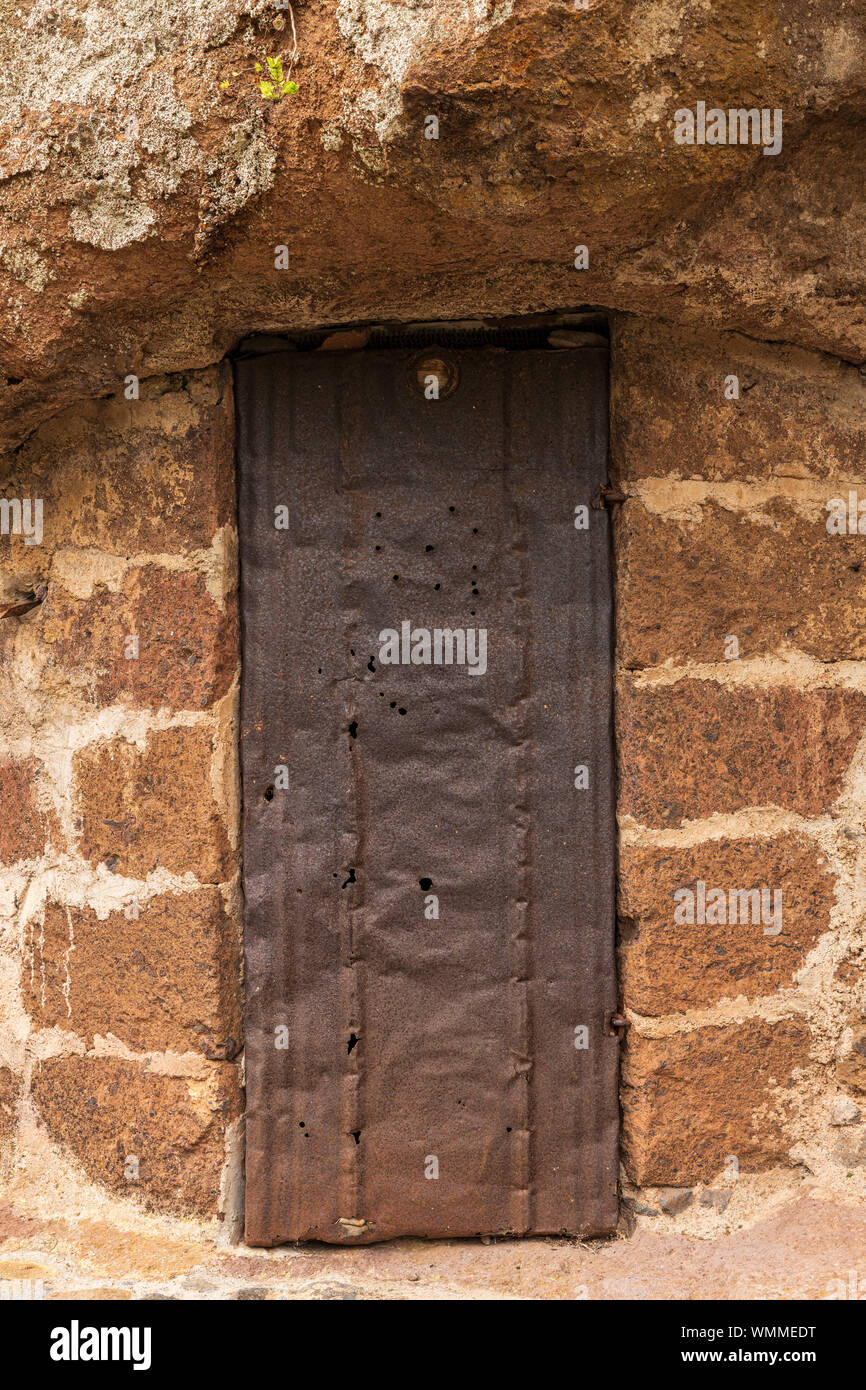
(609,497)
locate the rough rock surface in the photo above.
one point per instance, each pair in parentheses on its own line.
(120,913)
(808,1245)
(145,181)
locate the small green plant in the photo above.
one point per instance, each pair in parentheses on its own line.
(276,85)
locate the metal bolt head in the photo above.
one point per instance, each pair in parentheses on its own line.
(431,365)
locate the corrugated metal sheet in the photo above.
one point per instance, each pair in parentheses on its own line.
(412,1044)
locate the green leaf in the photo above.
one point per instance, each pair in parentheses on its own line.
(289,87)
(268,90)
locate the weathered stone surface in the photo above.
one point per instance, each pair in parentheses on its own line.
(666,967)
(108,1111)
(99,1295)
(850,970)
(808,1245)
(145,183)
(716,1197)
(691,1100)
(799,415)
(845,1112)
(694,747)
(168,978)
(145,808)
(147,180)
(851,1066)
(685,588)
(10,1093)
(673,1200)
(188,648)
(639,1208)
(129,477)
(25,829)
(850,1148)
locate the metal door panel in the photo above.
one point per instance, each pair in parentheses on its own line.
(413,1038)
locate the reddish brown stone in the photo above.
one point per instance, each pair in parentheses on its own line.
(174,261)
(142,809)
(799,414)
(152,476)
(851,1069)
(187,646)
(695,747)
(684,588)
(109,1112)
(666,967)
(851,1064)
(850,970)
(25,830)
(10,1094)
(166,979)
(691,1100)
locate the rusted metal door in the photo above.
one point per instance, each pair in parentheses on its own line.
(428,811)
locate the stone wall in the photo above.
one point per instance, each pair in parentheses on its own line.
(146,181)
(739,770)
(120,918)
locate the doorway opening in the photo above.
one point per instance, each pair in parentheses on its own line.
(426,751)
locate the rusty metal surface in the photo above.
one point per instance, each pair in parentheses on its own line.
(411,1038)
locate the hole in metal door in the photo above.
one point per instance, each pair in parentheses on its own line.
(428,791)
